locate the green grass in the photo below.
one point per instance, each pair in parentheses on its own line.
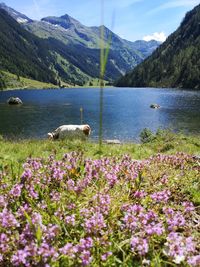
(166,143)
(14,153)
(12,81)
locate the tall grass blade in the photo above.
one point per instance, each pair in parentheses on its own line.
(104,52)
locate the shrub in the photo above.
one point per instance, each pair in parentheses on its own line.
(146,136)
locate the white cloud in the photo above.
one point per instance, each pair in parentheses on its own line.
(158,36)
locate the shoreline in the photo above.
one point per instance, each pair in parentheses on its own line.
(53,88)
(94,87)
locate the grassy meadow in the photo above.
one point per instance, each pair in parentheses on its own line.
(65,203)
(13,81)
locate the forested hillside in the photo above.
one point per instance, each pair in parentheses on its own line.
(176,63)
(22,53)
(46,60)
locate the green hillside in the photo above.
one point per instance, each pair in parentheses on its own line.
(22,53)
(176,63)
(13,81)
(25,55)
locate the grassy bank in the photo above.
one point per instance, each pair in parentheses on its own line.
(163,142)
(13,81)
(70,205)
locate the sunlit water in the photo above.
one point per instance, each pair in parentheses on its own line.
(126,111)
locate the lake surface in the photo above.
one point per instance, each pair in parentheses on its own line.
(126,111)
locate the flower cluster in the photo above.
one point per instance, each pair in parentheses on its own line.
(178,247)
(110,211)
(80,251)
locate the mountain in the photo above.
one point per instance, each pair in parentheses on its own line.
(123,55)
(75,32)
(21,18)
(74,48)
(22,53)
(146,48)
(46,60)
(176,63)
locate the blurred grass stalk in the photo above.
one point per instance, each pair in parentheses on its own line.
(104,51)
(81,115)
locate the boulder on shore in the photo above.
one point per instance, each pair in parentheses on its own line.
(14,101)
(154,106)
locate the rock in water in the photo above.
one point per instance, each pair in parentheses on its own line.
(154,106)
(14,101)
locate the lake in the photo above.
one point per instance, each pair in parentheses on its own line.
(126,111)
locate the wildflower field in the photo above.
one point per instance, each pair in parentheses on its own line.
(77,210)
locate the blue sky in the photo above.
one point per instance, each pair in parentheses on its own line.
(131,19)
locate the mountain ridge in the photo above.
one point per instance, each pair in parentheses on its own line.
(74,48)
(19,17)
(125,54)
